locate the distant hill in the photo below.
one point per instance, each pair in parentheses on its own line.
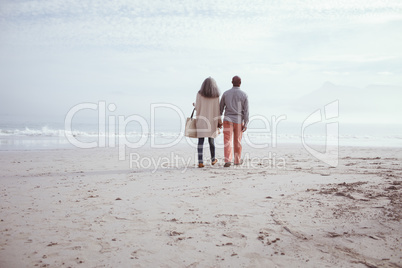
(374,103)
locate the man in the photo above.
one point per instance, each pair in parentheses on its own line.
(235,104)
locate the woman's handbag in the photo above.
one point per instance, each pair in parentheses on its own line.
(191,128)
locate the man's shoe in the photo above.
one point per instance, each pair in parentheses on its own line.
(238,164)
(200,165)
(214,162)
(227,164)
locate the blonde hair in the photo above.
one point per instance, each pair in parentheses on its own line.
(209,88)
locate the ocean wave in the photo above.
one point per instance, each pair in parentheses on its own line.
(29,132)
(49,132)
(46,131)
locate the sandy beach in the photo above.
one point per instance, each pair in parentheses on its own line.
(85,208)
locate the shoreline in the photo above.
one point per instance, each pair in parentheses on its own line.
(193,145)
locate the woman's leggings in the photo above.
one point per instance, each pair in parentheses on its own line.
(211,148)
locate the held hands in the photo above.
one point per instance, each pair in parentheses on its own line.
(243,127)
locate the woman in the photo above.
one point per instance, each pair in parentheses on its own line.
(208,118)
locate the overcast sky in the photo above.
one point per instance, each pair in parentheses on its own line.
(56,54)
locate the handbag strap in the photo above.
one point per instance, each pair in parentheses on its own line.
(192,113)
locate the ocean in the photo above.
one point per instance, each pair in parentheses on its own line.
(17,133)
